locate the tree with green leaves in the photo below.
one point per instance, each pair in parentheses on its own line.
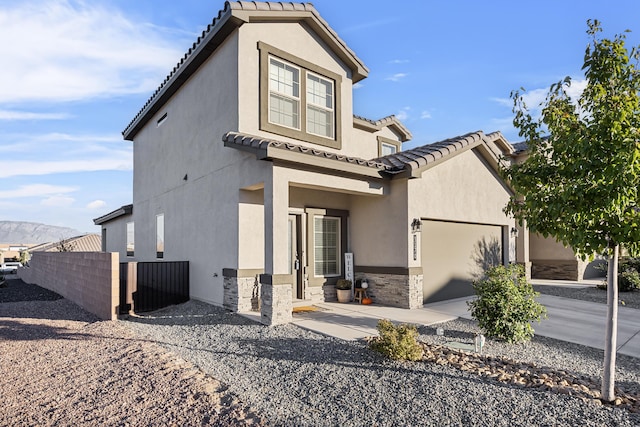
(580,181)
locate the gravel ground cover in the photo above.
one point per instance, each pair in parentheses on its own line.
(60,366)
(196,364)
(297,377)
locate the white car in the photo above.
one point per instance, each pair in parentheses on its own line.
(10,267)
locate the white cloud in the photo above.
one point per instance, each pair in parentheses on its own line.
(27,115)
(97,204)
(403,114)
(534,98)
(42,154)
(35,190)
(425,115)
(72,50)
(397,77)
(398,61)
(58,201)
(116,160)
(357,85)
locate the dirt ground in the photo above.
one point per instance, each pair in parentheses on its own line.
(60,366)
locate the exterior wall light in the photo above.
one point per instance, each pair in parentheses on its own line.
(416,225)
(514,232)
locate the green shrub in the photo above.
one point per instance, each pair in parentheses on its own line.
(628,280)
(628,275)
(506,304)
(397,342)
(343,284)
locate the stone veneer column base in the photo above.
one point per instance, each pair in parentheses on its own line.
(276,307)
(241,290)
(395,290)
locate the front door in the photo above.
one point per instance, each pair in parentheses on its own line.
(295,256)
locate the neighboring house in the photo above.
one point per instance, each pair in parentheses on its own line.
(546,257)
(250,164)
(11,252)
(84,243)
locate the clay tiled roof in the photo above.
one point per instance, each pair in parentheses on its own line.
(389,121)
(420,157)
(85,243)
(520,147)
(261,145)
(231,17)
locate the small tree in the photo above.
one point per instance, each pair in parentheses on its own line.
(580,182)
(65,245)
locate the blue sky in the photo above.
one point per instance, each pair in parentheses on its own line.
(74,73)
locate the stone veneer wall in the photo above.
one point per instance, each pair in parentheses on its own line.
(315,294)
(395,290)
(558,269)
(89,279)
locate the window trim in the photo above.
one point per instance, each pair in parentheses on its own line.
(388,141)
(310,104)
(268,51)
(298,99)
(339,251)
(311,213)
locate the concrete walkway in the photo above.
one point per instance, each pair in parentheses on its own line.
(568,319)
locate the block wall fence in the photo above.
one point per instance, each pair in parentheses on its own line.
(89,279)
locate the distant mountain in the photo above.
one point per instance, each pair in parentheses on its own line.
(18,232)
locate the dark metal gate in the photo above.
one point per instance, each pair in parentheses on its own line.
(154,285)
(123,306)
(161,284)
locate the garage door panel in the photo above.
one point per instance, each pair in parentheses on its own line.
(453,254)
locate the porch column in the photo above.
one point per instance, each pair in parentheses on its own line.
(276,307)
(522,248)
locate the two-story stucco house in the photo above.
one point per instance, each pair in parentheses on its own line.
(250,163)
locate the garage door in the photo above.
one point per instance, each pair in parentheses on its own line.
(453,254)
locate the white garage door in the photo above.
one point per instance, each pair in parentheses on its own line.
(453,254)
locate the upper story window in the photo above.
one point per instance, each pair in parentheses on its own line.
(387,146)
(284,94)
(298,99)
(320,106)
(386,149)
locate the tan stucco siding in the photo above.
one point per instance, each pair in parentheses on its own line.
(463,188)
(251,229)
(548,249)
(297,40)
(379,228)
(201,211)
(116,239)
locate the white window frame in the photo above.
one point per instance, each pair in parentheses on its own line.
(160,236)
(274,91)
(311,105)
(338,246)
(131,246)
(393,149)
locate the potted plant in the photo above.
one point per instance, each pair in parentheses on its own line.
(343,289)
